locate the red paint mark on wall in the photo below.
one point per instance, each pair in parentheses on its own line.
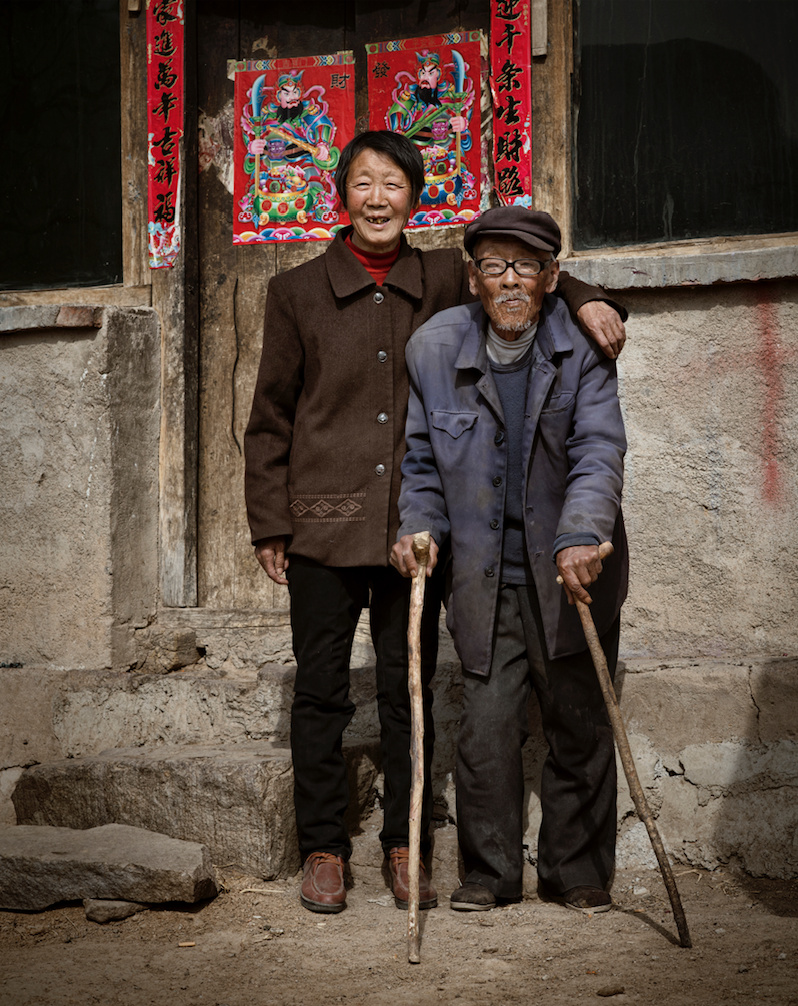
(771,362)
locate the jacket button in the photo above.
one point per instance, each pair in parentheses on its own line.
(382,417)
(494,523)
(380,469)
(382,356)
(489,571)
(499,438)
(498,480)
(379,297)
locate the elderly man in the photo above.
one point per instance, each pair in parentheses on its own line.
(515,447)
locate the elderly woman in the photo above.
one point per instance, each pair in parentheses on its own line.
(324,446)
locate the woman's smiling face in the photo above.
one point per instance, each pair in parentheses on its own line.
(378,197)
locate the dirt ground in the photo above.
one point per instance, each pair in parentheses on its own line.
(254,945)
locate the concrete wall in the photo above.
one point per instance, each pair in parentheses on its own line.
(709,384)
(79,415)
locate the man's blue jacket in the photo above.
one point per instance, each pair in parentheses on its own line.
(455,471)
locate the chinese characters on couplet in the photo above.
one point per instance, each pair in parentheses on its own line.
(292,119)
(511,86)
(165,25)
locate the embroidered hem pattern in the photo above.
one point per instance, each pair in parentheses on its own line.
(326,508)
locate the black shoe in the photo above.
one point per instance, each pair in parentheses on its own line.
(587,899)
(582,899)
(472,898)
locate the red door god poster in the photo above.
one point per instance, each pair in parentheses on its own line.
(429,90)
(293,117)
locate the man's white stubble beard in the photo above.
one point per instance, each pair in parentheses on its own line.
(512,325)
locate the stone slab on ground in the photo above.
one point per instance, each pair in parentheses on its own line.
(41,866)
(236,799)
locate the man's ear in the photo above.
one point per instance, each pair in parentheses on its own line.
(472,279)
(554,276)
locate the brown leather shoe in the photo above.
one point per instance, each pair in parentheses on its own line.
(323,887)
(398,861)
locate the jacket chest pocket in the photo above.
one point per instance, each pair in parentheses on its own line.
(453,423)
(453,436)
(555,421)
(559,401)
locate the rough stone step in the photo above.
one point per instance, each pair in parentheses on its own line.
(40,866)
(93,712)
(237,800)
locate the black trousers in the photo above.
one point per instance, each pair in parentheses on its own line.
(326,603)
(576,844)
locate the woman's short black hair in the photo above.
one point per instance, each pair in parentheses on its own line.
(397,147)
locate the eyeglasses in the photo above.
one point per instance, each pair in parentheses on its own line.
(521,266)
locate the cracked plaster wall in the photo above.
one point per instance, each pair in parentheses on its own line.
(709,389)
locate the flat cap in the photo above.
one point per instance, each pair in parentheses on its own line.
(534,227)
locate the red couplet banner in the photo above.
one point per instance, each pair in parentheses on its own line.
(511,86)
(429,90)
(165,28)
(292,119)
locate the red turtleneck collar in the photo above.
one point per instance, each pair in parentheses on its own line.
(378,266)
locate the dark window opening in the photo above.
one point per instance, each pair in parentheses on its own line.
(61,192)
(686,120)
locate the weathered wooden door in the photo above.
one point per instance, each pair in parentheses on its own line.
(233,280)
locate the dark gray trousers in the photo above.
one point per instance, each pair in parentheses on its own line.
(576,845)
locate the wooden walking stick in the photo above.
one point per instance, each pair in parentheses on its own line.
(421,552)
(622,741)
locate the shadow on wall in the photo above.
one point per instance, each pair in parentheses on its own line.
(716,747)
(750,785)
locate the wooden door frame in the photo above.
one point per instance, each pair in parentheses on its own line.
(174,295)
